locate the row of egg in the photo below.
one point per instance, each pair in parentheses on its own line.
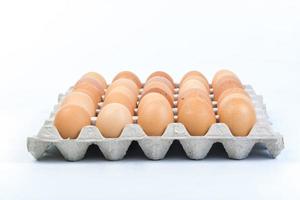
(155,112)
(195,110)
(235,107)
(79,105)
(155,107)
(119,104)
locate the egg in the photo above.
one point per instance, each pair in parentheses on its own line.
(238,113)
(221,74)
(70,119)
(160,88)
(190,84)
(96,76)
(91,81)
(197,75)
(154,114)
(199,78)
(231,91)
(193,73)
(124,90)
(129,75)
(161,80)
(226,77)
(91,90)
(122,96)
(112,119)
(148,99)
(126,83)
(194,92)
(81,99)
(196,115)
(161,74)
(224,85)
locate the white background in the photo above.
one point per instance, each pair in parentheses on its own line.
(45,46)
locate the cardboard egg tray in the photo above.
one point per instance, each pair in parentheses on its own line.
(156,147)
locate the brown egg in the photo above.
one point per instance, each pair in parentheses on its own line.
(161,80)
(192,84)
(154,114)
(196,115)
(91,81)
(70,119)
(129,75)
(199,78)
(238,113)
(226,84)
(233,91)
(96,76)
(120,95)
(124,90)
(90,90)
(194,92)
(124,82)
(161,74)
(160,88)
(195,74)
(221,74)
(148,99)
(81,99)
(226,77)
(112,119)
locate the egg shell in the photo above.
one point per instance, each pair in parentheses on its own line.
(121,96)
(161,74)
(124,82)
(129,75)
(192,84)
(154,114)
(231,91)
(199,78)
(147,100)
(161,80)
(196,115)
(226,84)
(226,77)
(125,90)
(91,81)
(112,119)
(238,113)
(96,76)
(194,92)
(81,99)
(221,74)
(193,74)
(160,88)
(70,119)
(90,90)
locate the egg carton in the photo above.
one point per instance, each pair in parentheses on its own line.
(156,147)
